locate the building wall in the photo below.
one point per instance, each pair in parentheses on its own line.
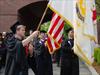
(8,12)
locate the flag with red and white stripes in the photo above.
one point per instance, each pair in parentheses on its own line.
(94,15)
(55,33)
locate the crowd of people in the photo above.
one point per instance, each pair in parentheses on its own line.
(18,53)
(2,51)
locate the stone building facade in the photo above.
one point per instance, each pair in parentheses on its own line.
(8,13)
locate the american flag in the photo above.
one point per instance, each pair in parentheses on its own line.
(55,33)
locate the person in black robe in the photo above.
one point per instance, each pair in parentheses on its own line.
(31,57)
(42,56)
(69,60)
(2,52)
(16,62)
(58,57)
(32,63)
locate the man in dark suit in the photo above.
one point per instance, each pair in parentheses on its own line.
(69,61)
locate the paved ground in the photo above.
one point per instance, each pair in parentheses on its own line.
(83,70)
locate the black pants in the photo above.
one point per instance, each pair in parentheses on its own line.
(58,55)
(32,64)
(2,61)
(70,66)
(44,65)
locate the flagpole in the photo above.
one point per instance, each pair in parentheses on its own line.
(45,11)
